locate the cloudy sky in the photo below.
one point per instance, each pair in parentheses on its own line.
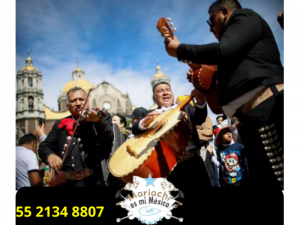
(116,41)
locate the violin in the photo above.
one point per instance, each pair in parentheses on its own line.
(100,113)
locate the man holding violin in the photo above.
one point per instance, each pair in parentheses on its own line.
(84,162)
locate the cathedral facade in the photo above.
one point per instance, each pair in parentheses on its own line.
(30,107)
(104,95)
(30,103)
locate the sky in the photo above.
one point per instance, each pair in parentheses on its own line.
(116,41)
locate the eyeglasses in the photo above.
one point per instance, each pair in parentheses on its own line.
(210,20)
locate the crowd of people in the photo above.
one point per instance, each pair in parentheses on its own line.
(243,148)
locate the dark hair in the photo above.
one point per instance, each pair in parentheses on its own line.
(223,116)
(27,139)
(232,5)
(219,117)
(138,112)
(73,90)
(162,82)
(122,119)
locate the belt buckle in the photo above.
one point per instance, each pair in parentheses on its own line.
(78,175)
(86,172)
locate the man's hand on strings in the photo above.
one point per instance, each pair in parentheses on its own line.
(149,118)
(55,162)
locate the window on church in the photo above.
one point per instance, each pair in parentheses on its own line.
(30,103)
(30,81)
(21,104)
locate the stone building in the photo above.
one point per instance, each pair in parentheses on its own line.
(29,97)
(105,95)
(30,105)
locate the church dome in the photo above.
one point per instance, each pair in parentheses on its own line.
(159,73)
(29,65)
(84,84)
(29,68)
(77,69)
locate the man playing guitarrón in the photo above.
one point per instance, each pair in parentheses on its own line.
(190,171)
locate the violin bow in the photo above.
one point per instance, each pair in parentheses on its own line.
(77,124)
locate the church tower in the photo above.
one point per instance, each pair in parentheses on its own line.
(159,76)
(29,99)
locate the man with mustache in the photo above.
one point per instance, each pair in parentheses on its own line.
(191,170)
(89,148)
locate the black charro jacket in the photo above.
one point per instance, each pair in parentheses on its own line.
(91,145)
(247,56)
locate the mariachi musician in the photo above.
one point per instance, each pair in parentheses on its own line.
(250,83)
(190,171)
(88,150)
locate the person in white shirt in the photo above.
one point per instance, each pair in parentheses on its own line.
(27,168)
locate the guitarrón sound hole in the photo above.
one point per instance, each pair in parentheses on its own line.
(161,126)
(157,128)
